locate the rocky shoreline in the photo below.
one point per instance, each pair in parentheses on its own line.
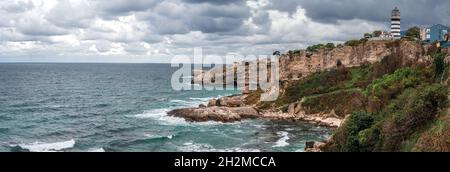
(232,109)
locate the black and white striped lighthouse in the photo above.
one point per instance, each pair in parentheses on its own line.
(395,23)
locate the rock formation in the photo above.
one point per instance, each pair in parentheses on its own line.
(297,66)
(215,113)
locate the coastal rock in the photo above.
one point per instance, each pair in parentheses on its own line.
(295,108)
(314,146)
(212,102)
(321,119)
(278,116)
(231,101)
(222,114)
(291,108)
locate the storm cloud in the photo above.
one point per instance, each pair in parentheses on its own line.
(155,30)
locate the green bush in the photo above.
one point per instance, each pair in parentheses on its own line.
(353,43)
(440,67)
(419,108)
(356,123)
(318,83)
(315,48)
(342,102)
(389,86)
(330,46)
(412,33)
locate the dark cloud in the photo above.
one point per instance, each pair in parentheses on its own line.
(417,12)
(125,6)
(204,17)
(152,26)
(216,2)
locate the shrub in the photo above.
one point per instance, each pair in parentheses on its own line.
(315,48)
(376,33)
(342,102)
(412,33)
(318,83)
(439,66)
(389,86)
(353,43)
(356,123)
(330,46)
(419,108)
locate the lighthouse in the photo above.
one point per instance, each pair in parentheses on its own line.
(395,23)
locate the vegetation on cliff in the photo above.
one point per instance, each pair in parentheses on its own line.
(406,111)
(394,105)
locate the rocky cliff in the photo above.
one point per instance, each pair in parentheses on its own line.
(300,65)
(383,96)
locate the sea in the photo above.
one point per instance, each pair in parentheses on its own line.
(68,107)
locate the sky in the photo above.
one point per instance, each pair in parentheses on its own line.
(154,30)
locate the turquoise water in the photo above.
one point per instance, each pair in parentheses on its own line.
(122,107)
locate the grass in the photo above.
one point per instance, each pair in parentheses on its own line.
(342,102)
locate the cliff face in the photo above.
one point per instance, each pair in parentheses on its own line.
(390,93)
(297,66)
(382,96)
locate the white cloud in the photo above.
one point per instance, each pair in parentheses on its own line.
(155,30)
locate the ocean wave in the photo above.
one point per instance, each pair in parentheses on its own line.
(282,142)
(47,147)
(201,99)
(96,150)
(184,103)
(161,115)
(199,147)
(206,99)
(152,136)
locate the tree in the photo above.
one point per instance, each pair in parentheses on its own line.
(276,53)
(353,42)
(413,32)
(367,35)
(439,66)
(330,46)
(314,48)
(376,33)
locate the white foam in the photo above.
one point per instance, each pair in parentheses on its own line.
(184,103)
(282,142)
(199,147)
(161,115)
(152,136)
(96,150)
(205,99)
(48,147)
